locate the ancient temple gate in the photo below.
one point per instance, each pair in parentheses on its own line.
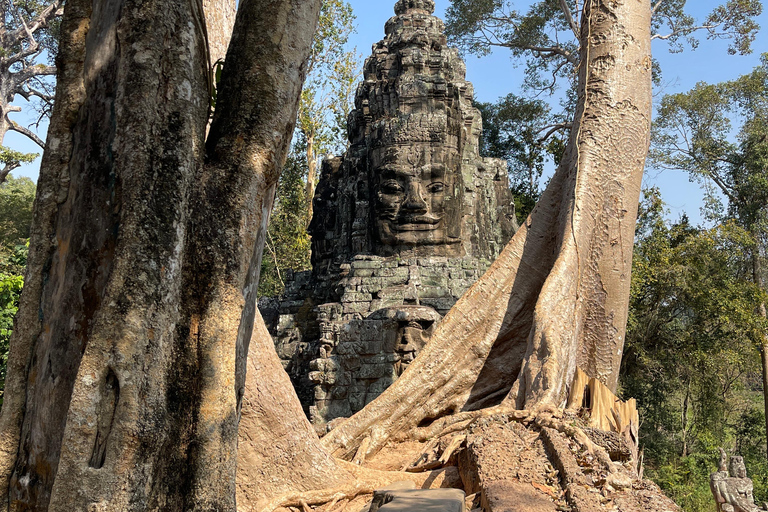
(404,223)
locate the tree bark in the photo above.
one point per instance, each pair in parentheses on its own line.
(127,360)
(557,297)
(311,175)
(219,21)
(279,451)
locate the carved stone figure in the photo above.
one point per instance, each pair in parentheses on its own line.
(732,490)
(404,222)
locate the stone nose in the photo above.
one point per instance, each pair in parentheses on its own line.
(414,199)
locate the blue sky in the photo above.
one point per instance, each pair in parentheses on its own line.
(496,75)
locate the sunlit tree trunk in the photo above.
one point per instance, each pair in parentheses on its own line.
(127,361)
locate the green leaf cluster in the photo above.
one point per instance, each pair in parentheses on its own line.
(287,247)
(16,199)
(514,129)
(10,290)
(17,196)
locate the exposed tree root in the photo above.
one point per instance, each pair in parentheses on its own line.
(544,416)
(365,481)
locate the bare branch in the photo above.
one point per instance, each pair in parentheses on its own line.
(7,168)
(41,21)
(20,78)
(684,32)
(16,127)
(553,128)
(656,6)
(545,52)
(29,92)
(569,16)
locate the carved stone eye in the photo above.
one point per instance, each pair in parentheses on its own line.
(435,188)
(391,187)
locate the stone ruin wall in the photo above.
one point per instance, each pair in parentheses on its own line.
(404,223)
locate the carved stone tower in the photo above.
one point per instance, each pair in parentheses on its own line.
(404,223)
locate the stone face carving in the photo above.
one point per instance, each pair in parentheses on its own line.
(732,490)
(403,223)
(413,188)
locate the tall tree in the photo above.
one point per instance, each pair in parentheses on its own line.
(695,133)
(28,39)
(327,95)
(128,355)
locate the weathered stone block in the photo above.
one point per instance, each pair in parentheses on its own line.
(324,365)
(375,371)
(356,297)
(421,500)
(358,264)
(356,307)
(356,401)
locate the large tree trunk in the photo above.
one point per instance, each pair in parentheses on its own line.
(557,297)
(279,451)
(127,360)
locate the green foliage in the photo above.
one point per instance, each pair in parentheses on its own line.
(16,198)
(332,73)
(12,158)
(10,289)
(694,132)
(545,37)
(288,244)
(515,129)
(691,356)
(541,36)
(12,263)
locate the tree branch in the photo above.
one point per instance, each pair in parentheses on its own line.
(41,21)
(553,128)
(684,32)
(16,127)
(656,6)
(544,52)
(569,17)
(6,170)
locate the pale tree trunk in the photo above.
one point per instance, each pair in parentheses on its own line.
(128,354)
(311,175)
(279,451)
(219,21)
(557,296)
